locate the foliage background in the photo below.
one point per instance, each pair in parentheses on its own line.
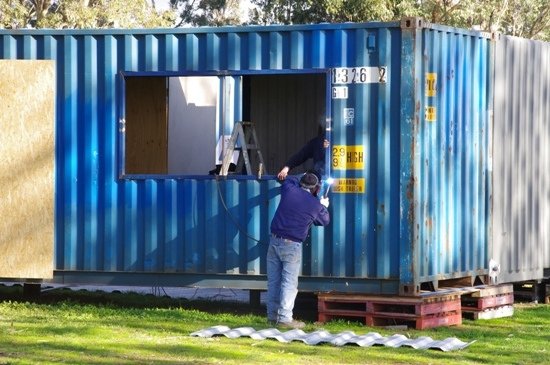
(522,18)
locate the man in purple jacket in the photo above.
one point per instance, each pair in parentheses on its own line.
(298,209)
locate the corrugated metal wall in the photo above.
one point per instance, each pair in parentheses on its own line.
(453,153)
(423,214)
(366,219)
(448,205)
(521,222)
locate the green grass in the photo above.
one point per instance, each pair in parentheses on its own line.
(99,328)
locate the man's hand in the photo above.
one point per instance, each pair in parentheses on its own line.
(324,201)
(326,143)
(283,173)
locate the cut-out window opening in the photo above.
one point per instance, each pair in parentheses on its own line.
(179,125)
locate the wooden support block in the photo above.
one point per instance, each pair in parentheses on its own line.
(414,308)
(440,307)
(416,322)
(450,319)
(487,302)
(489,290)
(491,313)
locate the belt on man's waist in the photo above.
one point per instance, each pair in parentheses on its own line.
(284,238)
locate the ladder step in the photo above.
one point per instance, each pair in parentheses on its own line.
(243,134)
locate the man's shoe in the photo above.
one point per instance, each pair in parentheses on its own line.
(294,324)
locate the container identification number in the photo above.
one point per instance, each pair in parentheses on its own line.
(358,75)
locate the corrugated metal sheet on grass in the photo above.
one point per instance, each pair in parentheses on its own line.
(340,339)
(521,223)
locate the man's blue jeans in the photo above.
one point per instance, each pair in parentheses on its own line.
(284,260)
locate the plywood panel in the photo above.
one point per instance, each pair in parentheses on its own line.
(27,90)
(146,126)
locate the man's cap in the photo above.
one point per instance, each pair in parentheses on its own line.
(309,180)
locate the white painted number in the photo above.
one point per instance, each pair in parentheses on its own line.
(358,75)
(340,92)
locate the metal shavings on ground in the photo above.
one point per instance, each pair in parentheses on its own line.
(341,339)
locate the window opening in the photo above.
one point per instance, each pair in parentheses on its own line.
(177,126)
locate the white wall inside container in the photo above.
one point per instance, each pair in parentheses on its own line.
(192,118)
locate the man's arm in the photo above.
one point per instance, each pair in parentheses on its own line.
(305,153)
(323,218)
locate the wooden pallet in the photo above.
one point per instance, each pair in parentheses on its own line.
(436,285)
(490,313)
(490,301)
(425,311)
(472,303)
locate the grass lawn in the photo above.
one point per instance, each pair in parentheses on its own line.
(113,328)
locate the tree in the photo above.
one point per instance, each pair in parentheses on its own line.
(356,10)
(275,12)
(208,12)
(526,18)
(82,14)
(331,11)
(523,18)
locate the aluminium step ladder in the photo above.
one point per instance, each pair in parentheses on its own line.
(244,136)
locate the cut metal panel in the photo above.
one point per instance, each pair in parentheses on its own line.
(521,153)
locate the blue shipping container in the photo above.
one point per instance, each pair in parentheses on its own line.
(407,109)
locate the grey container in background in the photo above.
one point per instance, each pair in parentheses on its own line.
(521,176)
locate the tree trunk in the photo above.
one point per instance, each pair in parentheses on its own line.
(41,8)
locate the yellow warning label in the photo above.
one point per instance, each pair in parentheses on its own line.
(348,157)
(431,83)
(349,186)
(430,114)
